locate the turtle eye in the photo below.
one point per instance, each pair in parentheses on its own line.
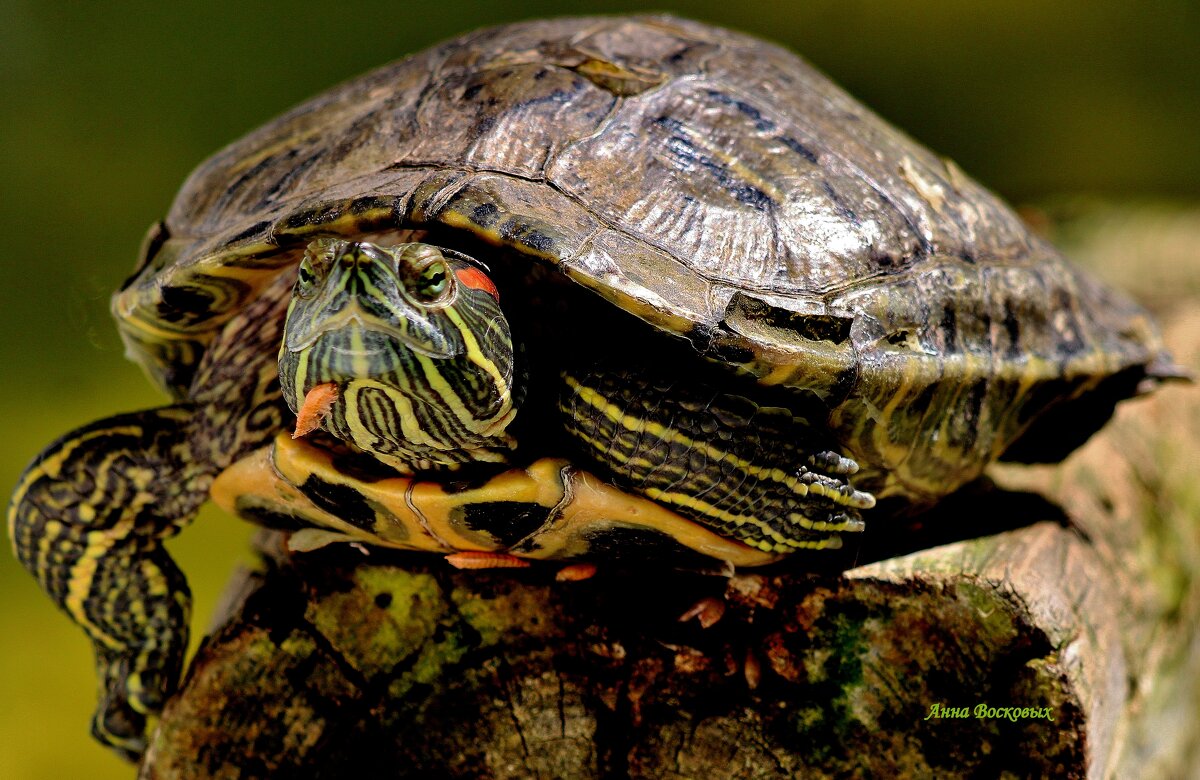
(307,281)
(432,282)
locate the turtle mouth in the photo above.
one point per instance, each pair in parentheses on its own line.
(354,334)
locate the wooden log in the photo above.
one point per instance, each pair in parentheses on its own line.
(1046,624)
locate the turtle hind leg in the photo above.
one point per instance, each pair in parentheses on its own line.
(756,473)
(88,519)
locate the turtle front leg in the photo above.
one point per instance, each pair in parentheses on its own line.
(139,673)
(757,473)
(88,519)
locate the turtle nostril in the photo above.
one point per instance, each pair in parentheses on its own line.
(358,254)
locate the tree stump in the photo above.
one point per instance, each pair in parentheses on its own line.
(1004,634)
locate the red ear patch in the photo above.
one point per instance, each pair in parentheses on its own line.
(478,280)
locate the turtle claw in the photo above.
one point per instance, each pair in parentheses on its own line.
(833,463)
(822,480)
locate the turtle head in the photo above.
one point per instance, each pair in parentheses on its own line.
(402,351)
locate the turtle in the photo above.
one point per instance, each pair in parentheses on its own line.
(583,289)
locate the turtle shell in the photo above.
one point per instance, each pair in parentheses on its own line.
(712,184)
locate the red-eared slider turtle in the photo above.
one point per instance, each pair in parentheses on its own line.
(630,287)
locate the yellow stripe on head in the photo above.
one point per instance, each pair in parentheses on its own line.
(424,360)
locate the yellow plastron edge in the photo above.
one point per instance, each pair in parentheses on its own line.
(411,514)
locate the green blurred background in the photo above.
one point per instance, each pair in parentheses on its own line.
(107,106)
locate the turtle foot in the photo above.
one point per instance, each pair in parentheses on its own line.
(130,693)
(116,722)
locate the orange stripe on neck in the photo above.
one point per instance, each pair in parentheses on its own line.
(478,280)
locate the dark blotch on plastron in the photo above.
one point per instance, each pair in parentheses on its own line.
(636,546)
(341,501)
(508,522)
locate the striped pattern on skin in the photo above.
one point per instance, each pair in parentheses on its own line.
(76,522)
(747,471)
(424,383)
(89,515)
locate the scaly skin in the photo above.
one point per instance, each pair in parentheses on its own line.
(427,380)
(90,513)
(424,377)
(747,471)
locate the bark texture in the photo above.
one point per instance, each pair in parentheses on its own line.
(1068,594)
